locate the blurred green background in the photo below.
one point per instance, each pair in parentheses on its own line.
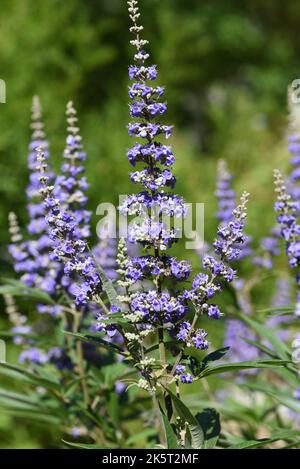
(226,65)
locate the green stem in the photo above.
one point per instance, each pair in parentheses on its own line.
(76,325)
(163,361)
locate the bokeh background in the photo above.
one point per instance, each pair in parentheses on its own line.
(226,66)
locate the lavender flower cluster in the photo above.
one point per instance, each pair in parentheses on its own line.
(286,210)
(31,256)
(158,309)
(236,331)
(55,254)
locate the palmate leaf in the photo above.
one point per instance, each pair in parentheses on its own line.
(197,434)
(17,288)
(228,367)
(171,438)
(281,435)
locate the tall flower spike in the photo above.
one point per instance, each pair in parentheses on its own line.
(68,247)
(71,186)
(38,139)
(226,197)
(286,210)
(37,268)
(154,201)
(44,270)
(158,308)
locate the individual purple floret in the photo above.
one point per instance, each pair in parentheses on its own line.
(297,394)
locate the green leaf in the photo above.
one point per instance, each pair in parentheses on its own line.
(209,421)
(282,435)
(17,288)
(284,397)
(38,416)
(113,406)
(111,373)
(215,355)
(281,310)
(19,373)
(95,339)
(82,445)
(102,422)
(107,286)
(171,438)
(196,365)
(269,335)
(141,436)
(115,318)
(197,435)
(261,347)
(227,367)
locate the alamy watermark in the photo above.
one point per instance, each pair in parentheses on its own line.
(135,221)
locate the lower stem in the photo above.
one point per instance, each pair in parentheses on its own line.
(86,399)
(162,354)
